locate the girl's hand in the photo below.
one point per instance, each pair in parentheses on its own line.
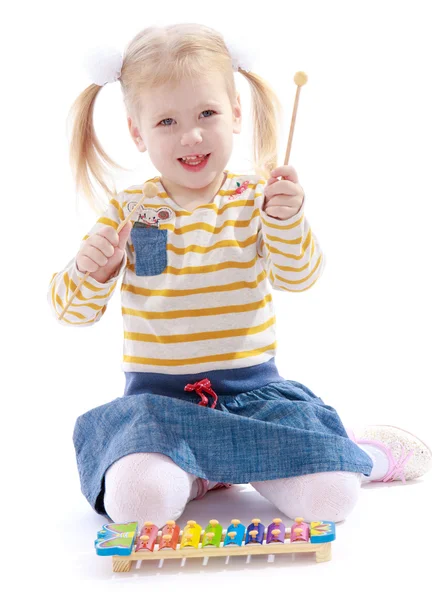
(283,198)
(102,253)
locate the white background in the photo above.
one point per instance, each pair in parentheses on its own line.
(360,338)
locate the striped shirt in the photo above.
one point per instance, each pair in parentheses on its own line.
(196,286)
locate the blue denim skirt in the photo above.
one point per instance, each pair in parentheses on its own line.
(230,426)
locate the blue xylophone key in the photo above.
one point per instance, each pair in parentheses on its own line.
(258,527)
(235,533)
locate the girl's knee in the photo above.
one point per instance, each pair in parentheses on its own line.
(331,496)
(325,496)
(146,487)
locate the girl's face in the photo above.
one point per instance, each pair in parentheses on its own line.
(191,118)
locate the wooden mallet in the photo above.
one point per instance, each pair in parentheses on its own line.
(300,79)
(150,190)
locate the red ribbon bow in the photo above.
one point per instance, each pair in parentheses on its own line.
(202,386)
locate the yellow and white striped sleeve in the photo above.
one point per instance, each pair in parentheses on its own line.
(292,255)
(90,303)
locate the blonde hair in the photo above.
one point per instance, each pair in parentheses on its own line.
(156,56)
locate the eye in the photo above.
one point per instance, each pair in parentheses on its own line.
(162,122)
(209,111)
(165,124)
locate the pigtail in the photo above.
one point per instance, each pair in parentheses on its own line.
(266,116)
(86,154)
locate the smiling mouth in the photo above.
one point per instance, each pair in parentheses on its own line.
(195,159)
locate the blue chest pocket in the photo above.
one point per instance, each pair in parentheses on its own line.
(150,244)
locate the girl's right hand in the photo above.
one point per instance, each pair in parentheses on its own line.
(102,253)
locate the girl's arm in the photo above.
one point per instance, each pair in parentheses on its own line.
(292,255)
(91,301)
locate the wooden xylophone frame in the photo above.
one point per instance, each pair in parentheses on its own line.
(122,564)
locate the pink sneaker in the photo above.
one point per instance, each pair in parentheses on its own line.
(407,455)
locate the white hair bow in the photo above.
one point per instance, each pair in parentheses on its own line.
(103,64)
(242,56)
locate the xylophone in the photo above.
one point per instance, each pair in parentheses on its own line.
(120,541)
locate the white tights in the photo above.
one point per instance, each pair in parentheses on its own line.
(148,486)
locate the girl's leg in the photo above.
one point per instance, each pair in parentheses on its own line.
(147,486)
(329,496)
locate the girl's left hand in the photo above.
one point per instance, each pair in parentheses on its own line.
(283,198)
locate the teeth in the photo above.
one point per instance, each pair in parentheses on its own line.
(194,160)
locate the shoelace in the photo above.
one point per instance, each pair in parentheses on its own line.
(397,467)
(202,386)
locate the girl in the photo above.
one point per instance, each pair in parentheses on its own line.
(204,405)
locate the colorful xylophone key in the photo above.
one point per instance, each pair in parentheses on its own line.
(191,535)
(169,537)
(255,532)
(300,532)
(147,537)
(212,534)
(235,533)
(276,532)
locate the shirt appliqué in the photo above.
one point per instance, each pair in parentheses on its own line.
(148,216)
(240,188)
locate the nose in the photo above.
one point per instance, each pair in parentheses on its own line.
(191,137)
